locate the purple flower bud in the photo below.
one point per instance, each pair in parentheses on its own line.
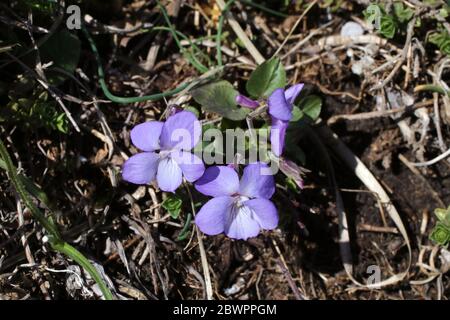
(281,104)
(246,102)
(293,171)
(278,135)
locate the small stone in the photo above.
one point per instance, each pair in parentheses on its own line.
(351,29)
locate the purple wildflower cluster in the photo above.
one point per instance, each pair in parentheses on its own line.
(281,104)
(239,208)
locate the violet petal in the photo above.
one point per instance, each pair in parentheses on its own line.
(191,165)
(246,102)
(140,168)
(292,170)
(265,212)
(212,216)
(292,92)
(169,175)
(256,182)
(278,135)
(218,181)
(241,223)
(278,106)
(181,131)
(145,136)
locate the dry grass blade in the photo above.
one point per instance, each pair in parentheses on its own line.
(242,35)
(286,39)
(366,177)
(203,257)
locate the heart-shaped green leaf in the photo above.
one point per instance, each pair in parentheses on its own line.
(403,13)
(297,114)
(266,78)
(311,106)
(220,97)
(388,26)
(173,205)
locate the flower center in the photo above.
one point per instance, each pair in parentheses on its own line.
(238,204)
(165,153)
(239,200)
(237,207)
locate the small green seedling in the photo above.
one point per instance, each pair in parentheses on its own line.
(441,232)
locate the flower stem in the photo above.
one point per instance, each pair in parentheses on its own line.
(219,32)
(57,243)
(79,258)
(200,67)
(20,188)
(124,100)
(432,88)
(184,231)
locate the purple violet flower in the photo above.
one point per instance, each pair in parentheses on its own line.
(281,104)
(174,139)
(246,102)
(240,209)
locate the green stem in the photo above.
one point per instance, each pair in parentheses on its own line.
(79,258)
(200,67)
(191,43)
(219,32)
(32,188)
(55,239)
(432,88)
(184,231)
(124,100)
(20,188)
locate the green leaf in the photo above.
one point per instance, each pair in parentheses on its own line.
(61,123)
(291,185)
(311,106)
(297,114)
(403,14)
(193,110)
(373,13)
(442,40)
(377,16)
(443,215)
(440,234)
(63,49)
(266,78)
(173,205)
(220,97)
(388,26)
